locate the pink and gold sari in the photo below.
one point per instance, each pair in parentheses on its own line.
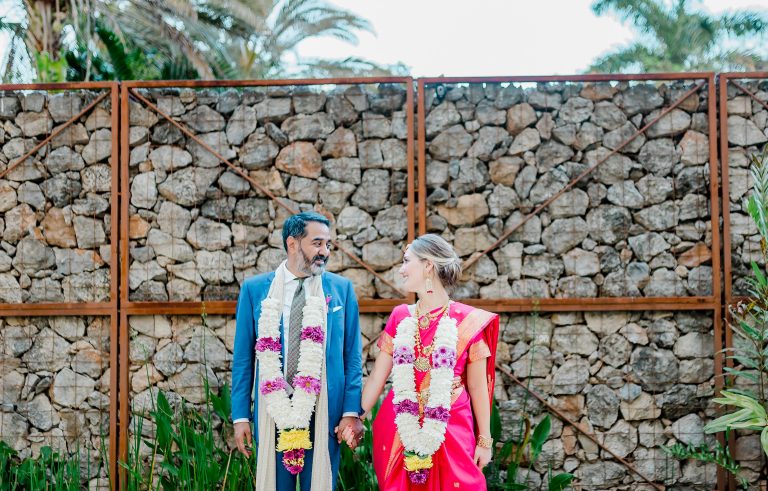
(453,463)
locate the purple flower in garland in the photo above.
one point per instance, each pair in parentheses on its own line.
(294,469)
(269,386)
(313,333)
(310,385)
(403,355)
(293,460)
(295,454)
(418,477)
(268,344)
(437,413)
(444,357)
(407,406)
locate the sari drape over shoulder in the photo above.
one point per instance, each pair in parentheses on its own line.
(453,463)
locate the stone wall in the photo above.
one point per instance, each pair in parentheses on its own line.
(747,134)
(198,229)
(747,123)
(637,380)
(55,207)
(55,388)
(639,225)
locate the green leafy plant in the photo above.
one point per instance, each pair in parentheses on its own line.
(356,471)
(719,454)
(749,322)
(516,455)
(188,449)
(49,471)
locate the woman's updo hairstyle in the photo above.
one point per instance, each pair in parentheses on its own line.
(433,248)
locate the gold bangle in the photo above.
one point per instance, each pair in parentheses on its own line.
(484,441)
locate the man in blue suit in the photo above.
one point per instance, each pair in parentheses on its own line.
(307,240)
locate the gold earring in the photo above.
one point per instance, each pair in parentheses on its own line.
(429,286)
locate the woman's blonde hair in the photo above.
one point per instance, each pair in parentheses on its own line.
(433,248)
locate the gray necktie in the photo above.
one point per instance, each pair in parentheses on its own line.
(294,331)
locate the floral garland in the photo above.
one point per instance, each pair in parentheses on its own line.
(292,414)
(422,441)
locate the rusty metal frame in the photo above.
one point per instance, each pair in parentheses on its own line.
(651,303)
(724,80)
(96,309)
(711,303)
(129,89)
(729,298)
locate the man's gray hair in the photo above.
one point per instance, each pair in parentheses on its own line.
(296,225)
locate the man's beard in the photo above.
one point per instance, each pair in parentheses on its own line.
(309,267)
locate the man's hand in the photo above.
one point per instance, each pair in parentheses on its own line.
(243,437)
(351,429)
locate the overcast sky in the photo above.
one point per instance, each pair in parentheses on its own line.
(488,37)
(480,37)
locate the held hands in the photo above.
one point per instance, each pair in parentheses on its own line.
(351,430)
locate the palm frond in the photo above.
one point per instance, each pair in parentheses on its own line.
(349,67)
(680,38)
(625,59)
(117,54)
(742,23)
(242,12)
(646,15)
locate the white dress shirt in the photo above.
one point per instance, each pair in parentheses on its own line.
(289,290)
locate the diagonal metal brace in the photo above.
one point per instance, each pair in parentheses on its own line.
(476,256)
(254,183)
(578,427)
(53,134)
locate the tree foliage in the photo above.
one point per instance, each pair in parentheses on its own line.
(676,37)
(176,39)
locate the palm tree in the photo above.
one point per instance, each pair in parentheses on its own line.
(36,41)
(677,38)
(206,39)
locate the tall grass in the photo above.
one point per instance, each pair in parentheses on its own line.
(49,471)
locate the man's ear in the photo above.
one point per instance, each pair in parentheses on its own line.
(291,243)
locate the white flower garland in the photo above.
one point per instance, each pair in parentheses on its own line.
(423,440)
(290,411)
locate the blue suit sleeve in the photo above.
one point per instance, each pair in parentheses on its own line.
(353,355)
(243,357)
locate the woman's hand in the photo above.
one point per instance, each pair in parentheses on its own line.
(482,456)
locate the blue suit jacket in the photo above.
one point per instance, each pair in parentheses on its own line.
(343,352)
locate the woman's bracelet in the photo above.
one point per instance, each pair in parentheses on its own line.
(484,441)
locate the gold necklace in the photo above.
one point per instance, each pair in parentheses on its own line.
(424,320)
(422,363)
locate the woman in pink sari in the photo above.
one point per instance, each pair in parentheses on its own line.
(430,268)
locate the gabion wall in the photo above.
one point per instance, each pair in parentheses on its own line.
(55,389)
(639,225)
(747,125)
(55,206)
(197,229)
(637,380)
